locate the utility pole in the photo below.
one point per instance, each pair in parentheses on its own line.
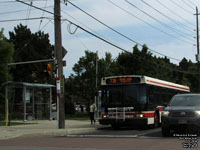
(59,57)
(97,70)
(96,86)
(197,28)
(198,56)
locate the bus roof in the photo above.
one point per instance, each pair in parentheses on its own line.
(138,79)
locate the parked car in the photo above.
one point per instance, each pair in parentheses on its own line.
(53,107)
(80,108)
(182,114)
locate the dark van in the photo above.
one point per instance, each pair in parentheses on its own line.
(181,114)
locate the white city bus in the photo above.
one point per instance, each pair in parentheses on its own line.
(135,100)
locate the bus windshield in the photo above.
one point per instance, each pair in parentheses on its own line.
(124,95)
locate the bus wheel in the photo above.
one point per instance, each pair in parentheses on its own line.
(115,126)
(156,121)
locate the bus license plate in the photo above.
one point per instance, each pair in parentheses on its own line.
(121,115)
(182,121)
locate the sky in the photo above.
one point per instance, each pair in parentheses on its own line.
(165,26)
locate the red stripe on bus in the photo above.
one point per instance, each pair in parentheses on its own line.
(127,114)
(168,85)
(148,114)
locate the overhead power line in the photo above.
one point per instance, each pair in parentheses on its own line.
(29,11)
(43,14)
(122,49)
(18,11)
(160,22)
(114,45)
(82,24)
(30,40)
(31,62)
(37,7)
(46,24)
(128,38)
(188,4)
(22,19)
(14,1)
(102,23)
(166,33)
(192,3)
(169,18)
(7,1)
(181,7)
(172,11)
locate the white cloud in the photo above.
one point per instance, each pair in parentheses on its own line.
(115,18)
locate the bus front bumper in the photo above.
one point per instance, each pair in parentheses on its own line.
(122,122)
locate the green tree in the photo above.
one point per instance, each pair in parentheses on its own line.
(83,82)
(106,67)
(6,51)
(139,62)
(142,62)
(6,56)
(28,47)
(85,70)
(191,80)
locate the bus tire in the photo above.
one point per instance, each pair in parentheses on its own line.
(115,126)
(156,120)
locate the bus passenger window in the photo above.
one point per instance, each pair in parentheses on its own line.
(151,98)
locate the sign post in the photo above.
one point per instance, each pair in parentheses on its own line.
(58,91)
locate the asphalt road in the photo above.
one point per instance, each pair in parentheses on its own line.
(101,139)
(134,132)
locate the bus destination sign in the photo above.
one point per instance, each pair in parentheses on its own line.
(122,80)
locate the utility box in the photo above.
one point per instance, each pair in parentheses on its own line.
(30,118)
(54,116)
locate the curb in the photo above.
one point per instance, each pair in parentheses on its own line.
(47,128)
(59,132)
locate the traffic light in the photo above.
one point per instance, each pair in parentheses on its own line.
(50,69)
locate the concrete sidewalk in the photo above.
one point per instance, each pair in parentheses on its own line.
(47,127)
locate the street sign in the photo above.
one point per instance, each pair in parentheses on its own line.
(58,91)
(64,52)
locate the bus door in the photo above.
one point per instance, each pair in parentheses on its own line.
(98,104)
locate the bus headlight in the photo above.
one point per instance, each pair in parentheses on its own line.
(104,116)
(165,113)
(140,115)
(197,112)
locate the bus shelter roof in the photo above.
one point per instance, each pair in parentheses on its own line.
(22,84)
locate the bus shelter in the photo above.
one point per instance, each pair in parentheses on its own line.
(27,90)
